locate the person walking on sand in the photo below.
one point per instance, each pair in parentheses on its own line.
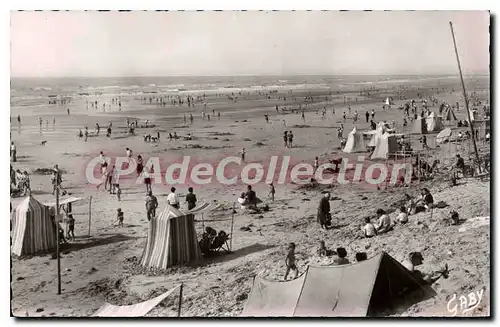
(316,163)
(290,139)
(272,191)
(54,124)
(290,262)
(285,139)
(103,162)
(243,154)
(86,134)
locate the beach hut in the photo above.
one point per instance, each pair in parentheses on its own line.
(386,145)
(172,237)
(365,288)
(354,142)
(419,126)
(32,228)
(434,123)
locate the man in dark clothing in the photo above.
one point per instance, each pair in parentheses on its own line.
(191,199)
(324,217)
(367,114)
(251,198)
(151,205)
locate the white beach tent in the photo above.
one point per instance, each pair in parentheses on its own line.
(377,134)
(434,123)
(386,145)
(355,142)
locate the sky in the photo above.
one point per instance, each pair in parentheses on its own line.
(99,44)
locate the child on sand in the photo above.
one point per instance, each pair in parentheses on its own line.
(369,229)
(71,227)
(341,260)
(119,217)
(290,261)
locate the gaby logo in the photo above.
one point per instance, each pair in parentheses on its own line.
(232,170)
(464,303)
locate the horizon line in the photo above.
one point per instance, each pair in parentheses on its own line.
(252,75)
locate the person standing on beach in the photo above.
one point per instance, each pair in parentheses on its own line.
(86,133)
(13,152)
(367,115)
(19,120)
(173,199)
(151,205)
(373,114)
(243,154)
(67,111)
(191,199)
(97,128)
(303,116)
(323,216)
(290,139)
(218,115)
(285,139)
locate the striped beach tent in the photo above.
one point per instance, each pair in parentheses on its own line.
(172,237)
(32,228)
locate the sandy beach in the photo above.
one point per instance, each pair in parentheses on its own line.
(104,267)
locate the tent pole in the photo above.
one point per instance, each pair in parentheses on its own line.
(58,249)
(90,213)
(465,99)
(180,301)
(232,224)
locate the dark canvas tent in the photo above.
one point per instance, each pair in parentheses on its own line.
(419,126)
(449,115)
(355,290)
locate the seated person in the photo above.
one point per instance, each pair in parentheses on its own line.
(361,256)
(242,201)
(460,165)
(219,240)
(411,207)
(403,216)
(416,259)
(384,222)
(369,229)
(341,260)
(426,200)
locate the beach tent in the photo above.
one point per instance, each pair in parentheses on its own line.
(434,123)
(443,136)
(172,237)
(386,145)
(376,135)
(419,126)
(354,142)
(354,290)
(473,115)
(32,229)
(449,115)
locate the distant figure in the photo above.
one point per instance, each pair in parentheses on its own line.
(243,154)
(13,152)
(119,217)
(323,215)
(290,139)
(272,191)
(67,111)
